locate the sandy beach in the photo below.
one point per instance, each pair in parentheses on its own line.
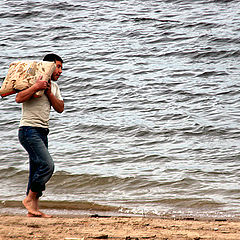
(129,228)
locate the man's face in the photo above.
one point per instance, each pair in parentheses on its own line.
(57,72)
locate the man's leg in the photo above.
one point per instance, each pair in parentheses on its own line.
(41,167)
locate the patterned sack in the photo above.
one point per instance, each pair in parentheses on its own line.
(23,74)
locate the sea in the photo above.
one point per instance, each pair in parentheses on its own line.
(151,125)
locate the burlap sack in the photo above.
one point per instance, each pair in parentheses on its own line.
(23,74)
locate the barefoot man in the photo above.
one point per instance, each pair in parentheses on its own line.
(33,133)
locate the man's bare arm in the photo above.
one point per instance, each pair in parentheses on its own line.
(57,104)
(26,94)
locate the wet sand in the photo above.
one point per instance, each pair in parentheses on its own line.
(128,228)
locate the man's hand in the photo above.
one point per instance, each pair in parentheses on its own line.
(40,84)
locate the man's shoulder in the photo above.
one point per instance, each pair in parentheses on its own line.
(56,90)
(54,86)
(53,83)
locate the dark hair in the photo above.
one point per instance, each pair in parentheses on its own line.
(51,57)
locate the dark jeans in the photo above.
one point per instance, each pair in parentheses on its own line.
(41,165)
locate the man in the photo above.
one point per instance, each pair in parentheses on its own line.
(33,133)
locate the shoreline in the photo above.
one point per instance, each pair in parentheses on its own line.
(82,208)
(120,227)
(75,213)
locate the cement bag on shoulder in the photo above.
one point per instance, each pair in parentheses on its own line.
(23,74)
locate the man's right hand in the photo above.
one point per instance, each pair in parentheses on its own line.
(40,84)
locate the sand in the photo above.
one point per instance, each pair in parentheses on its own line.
(115,227)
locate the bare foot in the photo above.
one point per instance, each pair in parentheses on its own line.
(33,215)
(43,215)
(28,204)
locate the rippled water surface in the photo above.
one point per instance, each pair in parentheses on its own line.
(151,90)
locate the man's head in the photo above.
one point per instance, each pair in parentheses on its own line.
(58,60)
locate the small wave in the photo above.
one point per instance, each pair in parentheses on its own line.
(212,73)
(12,173)
(62,205)
(204,25)
(21,15)
(213,54)
(197,203)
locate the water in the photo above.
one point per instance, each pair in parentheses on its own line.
(151,90)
